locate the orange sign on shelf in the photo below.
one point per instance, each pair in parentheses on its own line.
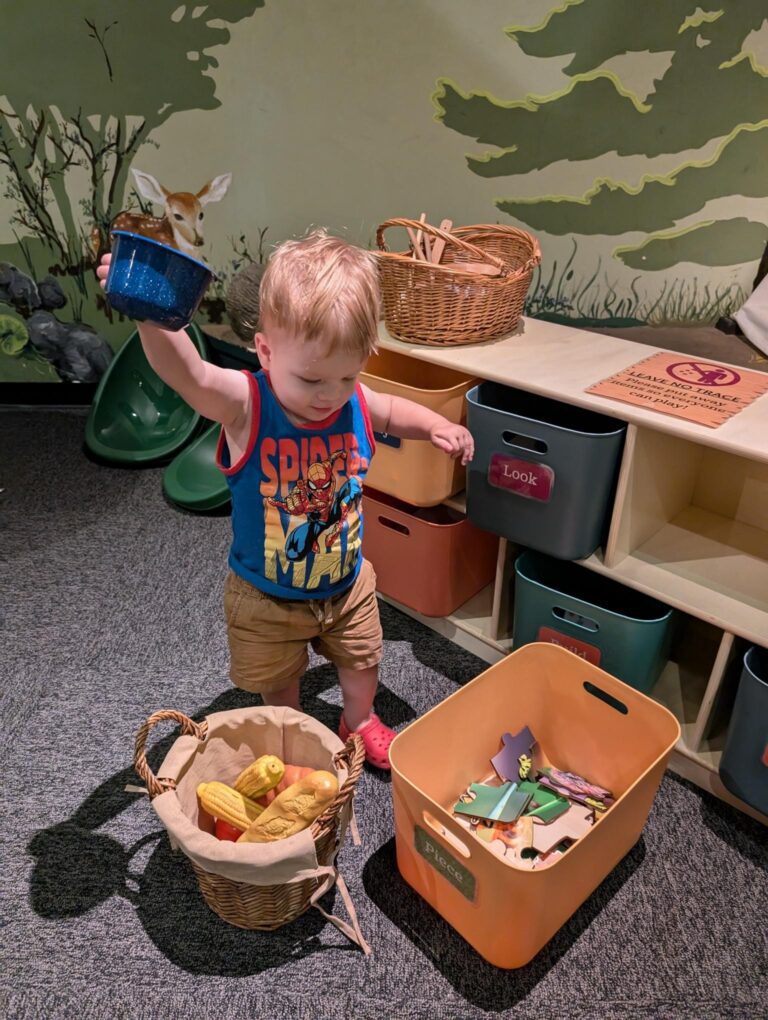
(700,391)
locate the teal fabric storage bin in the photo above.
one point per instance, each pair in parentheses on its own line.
(544,472)
(622,631)
(744,765)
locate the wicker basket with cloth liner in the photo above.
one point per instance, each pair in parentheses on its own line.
(259,886)
(443,303)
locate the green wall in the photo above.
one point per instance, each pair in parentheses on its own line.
(633,145)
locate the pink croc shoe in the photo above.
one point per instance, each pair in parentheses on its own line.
(376,736)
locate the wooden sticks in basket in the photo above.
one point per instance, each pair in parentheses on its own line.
(426,249)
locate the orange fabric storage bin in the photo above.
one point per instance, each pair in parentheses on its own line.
(411,469)
(431,559)
(586,722)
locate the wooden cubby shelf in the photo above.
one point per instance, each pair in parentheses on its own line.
(688,526)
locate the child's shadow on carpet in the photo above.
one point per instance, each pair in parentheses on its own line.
(77,868)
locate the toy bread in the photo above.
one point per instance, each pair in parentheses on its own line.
(294,809)
(292,774)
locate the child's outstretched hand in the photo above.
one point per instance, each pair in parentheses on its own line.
(102,270)
(454,440)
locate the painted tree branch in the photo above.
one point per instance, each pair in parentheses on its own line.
(31,213)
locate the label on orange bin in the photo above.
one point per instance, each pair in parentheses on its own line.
(704,392)
(523,477)
(444,862)
(587,652)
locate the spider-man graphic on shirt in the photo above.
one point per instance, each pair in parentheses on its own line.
(326,509)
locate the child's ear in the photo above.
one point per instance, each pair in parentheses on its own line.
(263,352)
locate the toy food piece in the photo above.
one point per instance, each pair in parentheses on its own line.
(260,776)
(294,809)
(222,801)
(223,830)
(292,774)
(498,803)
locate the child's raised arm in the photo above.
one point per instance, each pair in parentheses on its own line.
(408,420)
(221,394)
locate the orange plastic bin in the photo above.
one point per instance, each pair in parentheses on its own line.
(585,721)
(431,559)
(411,469)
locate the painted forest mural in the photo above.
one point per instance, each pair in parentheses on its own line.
(69,130)
(639,164)
(712,87)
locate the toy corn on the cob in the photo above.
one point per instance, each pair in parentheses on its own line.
(225,803)
(260,776)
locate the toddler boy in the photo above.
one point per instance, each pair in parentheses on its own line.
(295,445)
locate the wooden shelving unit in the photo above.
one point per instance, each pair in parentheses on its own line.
(689,526)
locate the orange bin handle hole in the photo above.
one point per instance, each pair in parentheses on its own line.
(450,838)
(394,525)
(598,692)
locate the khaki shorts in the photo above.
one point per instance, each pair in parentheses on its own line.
(268,636)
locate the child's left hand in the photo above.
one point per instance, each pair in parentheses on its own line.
(454,440)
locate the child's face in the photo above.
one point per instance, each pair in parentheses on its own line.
(310,381)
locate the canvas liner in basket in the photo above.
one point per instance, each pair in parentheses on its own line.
(443,304)
(255,885)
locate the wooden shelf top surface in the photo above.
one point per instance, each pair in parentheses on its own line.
(561,362)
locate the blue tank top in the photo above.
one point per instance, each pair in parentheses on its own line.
(297,522)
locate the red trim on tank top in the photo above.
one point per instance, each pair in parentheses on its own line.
(366,417)
(252,436)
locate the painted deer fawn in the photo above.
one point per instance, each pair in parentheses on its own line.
(181,226)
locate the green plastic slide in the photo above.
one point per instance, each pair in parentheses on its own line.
(135,418)
(192,480)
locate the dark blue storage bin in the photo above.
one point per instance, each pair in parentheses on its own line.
(744,764)
(544,472)
(624,632)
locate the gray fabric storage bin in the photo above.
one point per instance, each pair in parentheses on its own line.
(544,471)
(744,764)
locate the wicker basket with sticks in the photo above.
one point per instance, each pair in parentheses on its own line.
(463,286)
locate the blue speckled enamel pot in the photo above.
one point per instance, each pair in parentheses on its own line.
(154,282)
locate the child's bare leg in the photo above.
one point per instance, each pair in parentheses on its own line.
(358,686)
(286,696)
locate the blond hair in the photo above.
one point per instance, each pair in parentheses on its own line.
(323,288)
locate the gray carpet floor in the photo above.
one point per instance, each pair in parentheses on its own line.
(110,608)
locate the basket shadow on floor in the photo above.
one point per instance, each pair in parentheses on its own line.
(77,868)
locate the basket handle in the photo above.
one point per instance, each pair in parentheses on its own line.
(189,728)
(488,228)
(445,235)
(352,758)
